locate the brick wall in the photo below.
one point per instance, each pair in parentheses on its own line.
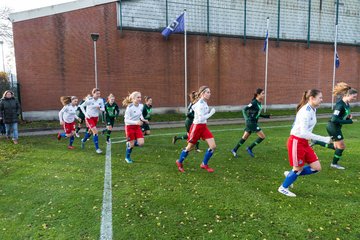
(54,57)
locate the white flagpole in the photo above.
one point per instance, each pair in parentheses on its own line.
(185,62)
(266,61)
(334,67)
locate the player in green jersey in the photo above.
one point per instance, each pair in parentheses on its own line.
(111,113)
(147,111)
(341,115)
(251,113)
(81,115)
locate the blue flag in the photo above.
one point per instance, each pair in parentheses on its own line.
(266,40)
(337,61)
(178,25)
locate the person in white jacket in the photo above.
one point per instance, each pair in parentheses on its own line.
(133,119)
(199,129)
(94,106)
(299,150)
(67,116)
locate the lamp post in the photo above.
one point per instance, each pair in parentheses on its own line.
(95,37)
(2,54)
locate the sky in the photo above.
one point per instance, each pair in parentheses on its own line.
(18,6)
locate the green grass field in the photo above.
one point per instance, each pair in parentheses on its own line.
(49,192)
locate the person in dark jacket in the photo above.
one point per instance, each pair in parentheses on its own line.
(9,114)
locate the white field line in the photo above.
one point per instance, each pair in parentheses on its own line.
(106,232)
(218,130)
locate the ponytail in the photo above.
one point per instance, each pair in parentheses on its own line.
(257,92)
(305,98)
(197,95)
(130,98)
(343,89)
(65,100)
(192,96)
(127,100)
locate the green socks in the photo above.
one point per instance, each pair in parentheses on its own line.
(257,141)
(326,145)
(241,142)
(337,155)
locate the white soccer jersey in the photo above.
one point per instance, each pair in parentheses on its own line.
(68,113)
(133,114)
(201,110)
(92,107)
(304,124)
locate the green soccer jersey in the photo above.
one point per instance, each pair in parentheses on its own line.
(341,114)
(112,111)
(252,112)
(79,113)
(147,111)
(189,117)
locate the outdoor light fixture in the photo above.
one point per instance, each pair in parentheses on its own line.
(95,37)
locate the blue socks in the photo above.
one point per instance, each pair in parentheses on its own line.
(128,151)
(292,176)
(307,170)
(87,135)
(72,138)
(207,156)
(96,141)
(183,155)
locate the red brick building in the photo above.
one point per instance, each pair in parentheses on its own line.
(55,57)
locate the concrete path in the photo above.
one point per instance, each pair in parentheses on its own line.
(177,124)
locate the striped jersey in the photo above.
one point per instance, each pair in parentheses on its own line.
(133,114)
(304,124)
(93,107)
(202,112)
(68,113)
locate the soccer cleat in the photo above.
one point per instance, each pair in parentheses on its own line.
(128,160)
(286,192)
(337,166)
(82,144)
(250,152)
(198,150)
(180,166)
(77,134)
(15,141)
(234,153)
(98,151)
(285,174)
(58,136)
(207,168)
(70,147)
(174,139)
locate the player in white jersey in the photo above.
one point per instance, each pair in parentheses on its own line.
(299,150)
(199,129)
(94,106)
(133,119)
(67,116)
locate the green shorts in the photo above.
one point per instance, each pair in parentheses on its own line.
(145,127)
(110,121)
(334,132)
(252,127)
